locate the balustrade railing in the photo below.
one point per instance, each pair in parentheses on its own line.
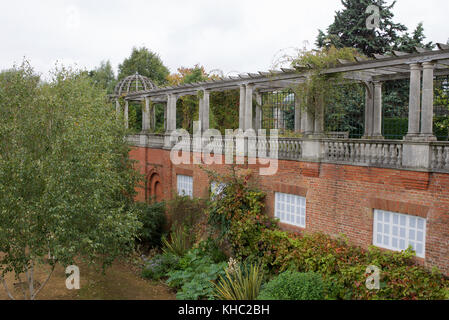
(440,156)
(376,153)
(382,153)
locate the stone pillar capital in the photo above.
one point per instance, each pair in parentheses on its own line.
(415,66)
(428,65)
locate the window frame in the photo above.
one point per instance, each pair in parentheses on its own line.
(408,231)
(279,214)
(179,183)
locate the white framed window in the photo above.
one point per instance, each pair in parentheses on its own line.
(290,209)
(396,231)
(185,186)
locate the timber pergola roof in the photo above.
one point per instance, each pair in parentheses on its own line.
(381,68)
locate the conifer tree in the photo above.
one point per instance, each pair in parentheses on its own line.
(349,29)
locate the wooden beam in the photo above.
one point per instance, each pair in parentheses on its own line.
(400,53)
(421,50)
(443,46)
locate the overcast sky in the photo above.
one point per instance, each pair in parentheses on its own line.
(230,35)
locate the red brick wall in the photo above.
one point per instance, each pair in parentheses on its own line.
(340,199)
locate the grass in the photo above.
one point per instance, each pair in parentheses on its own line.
(120,282)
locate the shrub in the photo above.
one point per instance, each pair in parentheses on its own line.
(185,212)
(240,282)
(153,222)
(195,275)
(294,286)
(212,249)
(345,266)
(238,213)
(238,216)
(159,266)
(178,244)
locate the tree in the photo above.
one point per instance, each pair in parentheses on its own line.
(224,106)
(65,177)
(104,76)
(349,28)
(409,42)
(187,106)
(146,63)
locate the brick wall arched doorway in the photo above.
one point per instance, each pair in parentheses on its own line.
(154,188)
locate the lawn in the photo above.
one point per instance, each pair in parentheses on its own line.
(121,282)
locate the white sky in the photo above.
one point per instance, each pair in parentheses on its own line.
(230,35)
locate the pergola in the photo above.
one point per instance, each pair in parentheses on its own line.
(420,67)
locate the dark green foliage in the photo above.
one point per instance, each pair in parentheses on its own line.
(193,278)
(146,63)
(158,267)
(345,113)
(395,128)
(153,222)
(212,248)
(349,30)
(294,286)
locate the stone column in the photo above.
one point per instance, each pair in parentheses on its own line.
(309,121)
(146,115)
(242,107)
(319,117)
(414,102)
(258,119)
(126,114)
(377,111)
(165,114)
(171,113)
(204,111)
(249,107)
(427,102)
(153,118)
(297,114)
(369,104)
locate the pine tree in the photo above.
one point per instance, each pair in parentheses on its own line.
(350,28)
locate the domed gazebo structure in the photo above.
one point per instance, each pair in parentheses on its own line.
(133,84)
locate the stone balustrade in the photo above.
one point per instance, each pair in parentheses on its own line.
(440,156)
(384,153)
(375,153)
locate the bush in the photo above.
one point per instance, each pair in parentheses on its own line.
(196,271)
(238,213)
(185,212)
(179,243)
(153,222)
(238,216)
(294,286)
(241,282)
(158,267)
(345,266)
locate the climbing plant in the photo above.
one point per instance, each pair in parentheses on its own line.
(320,90)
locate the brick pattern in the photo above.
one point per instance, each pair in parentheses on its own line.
(340,198)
